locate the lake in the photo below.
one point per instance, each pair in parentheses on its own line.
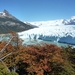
(39,42)
(27,41)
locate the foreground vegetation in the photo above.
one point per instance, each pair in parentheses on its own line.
(47,59)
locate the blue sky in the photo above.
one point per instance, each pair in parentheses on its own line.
(39,10)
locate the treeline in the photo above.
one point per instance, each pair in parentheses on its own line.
(47,59)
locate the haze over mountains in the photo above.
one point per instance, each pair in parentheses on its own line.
(10,23)
(55,22)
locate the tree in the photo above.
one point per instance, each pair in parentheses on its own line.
(16,40)
(7,48)
(4,71)
(37,59)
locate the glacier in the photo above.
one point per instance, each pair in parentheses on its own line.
(55,33)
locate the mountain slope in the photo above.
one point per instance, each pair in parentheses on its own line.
(10,23)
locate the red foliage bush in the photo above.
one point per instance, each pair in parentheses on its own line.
(40,58)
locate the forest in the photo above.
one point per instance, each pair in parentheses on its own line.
(46,59)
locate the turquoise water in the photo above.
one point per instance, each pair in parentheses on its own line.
(56,43)
(39,42)
(36,42)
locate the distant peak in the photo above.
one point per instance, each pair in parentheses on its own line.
(6,12)
(73,17)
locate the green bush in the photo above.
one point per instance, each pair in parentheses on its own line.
(4,71)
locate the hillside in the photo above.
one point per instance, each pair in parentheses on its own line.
(10,23)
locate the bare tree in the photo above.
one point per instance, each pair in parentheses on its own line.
(14,38)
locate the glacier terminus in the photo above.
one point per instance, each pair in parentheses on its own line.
(55,33)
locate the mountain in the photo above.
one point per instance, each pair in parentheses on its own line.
(55,22)
(72,21)
(10,23)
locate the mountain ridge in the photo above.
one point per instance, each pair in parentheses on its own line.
(70,21)
(10,23)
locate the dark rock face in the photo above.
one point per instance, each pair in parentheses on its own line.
(10,23)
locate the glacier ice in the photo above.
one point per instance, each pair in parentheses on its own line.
(61,33)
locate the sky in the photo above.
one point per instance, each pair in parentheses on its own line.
(39,10)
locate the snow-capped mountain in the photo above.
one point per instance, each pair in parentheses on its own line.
(5,13)
(57,31)
(10,23)
(48,23)
(55,22)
